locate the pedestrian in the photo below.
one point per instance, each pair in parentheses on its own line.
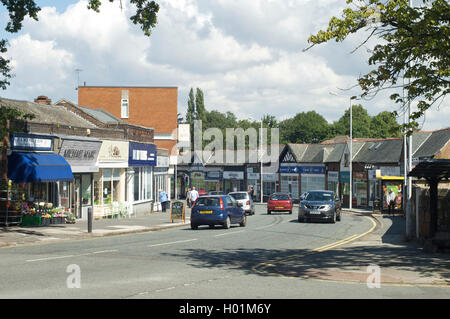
(188,197)
(391,201)
(164,199)
(193,195)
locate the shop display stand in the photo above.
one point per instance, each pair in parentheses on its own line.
(10,214)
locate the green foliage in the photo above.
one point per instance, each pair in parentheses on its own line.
(384,125)
(309,127)
(360,123)
(413,45)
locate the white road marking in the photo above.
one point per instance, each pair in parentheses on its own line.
(229,233)
(173,242)
(70,256)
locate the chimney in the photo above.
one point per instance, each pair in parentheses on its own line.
(42,99)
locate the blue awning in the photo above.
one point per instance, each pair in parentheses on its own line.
(38,167)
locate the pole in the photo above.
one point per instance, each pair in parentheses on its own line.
(90,219)
(261,159)
(351,155)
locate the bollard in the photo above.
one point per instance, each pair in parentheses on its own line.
(90,219)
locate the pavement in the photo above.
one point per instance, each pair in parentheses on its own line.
(401,262)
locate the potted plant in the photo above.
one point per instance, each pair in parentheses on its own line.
(70,218)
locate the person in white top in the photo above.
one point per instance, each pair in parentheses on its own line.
(193,195)
(391,201)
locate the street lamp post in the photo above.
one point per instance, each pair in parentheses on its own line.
(351,148)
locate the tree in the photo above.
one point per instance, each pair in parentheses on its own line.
(414,45)
(190,114)
(200,110)
(384,125)
(309,127)
(360,123)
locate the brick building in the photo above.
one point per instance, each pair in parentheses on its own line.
(154,107)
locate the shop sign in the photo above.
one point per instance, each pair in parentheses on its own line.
(252,175)
(270,177)
(390,170)
(233,175)
(289,170)
(30,142)
(113,151)
(333,176)
(197,175)
(344,177)
(141,154)
(302,170)
(213,175)
(162,161)
(81,155)
(360,175)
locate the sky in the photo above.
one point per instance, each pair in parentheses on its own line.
(246,55)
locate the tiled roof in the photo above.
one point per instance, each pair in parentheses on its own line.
(433,144)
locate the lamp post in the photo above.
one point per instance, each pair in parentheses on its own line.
(260,157)
(351,147)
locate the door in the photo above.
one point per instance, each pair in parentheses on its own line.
(77,196)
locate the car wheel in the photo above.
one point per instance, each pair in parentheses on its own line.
(193,226)
(227,223)
(334,218)
(269,212)
(211,226)
(290,212)
(339,216)
(244,221)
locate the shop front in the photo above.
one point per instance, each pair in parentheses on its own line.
(161,178)
(35,172)
(253,182)
(81,154)
(333,182)
(289,176)
(360,188)
(312,178)
(374,189)
(110,198)
(344,181)
(198,180)
(142,158)
(234,180)
(213,181)
(270,184)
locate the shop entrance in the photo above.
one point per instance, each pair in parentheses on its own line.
(77,196)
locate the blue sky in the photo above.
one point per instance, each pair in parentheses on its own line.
(246,56)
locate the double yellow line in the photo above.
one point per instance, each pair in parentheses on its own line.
(346,240)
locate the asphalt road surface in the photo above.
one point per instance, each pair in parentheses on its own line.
(274,256)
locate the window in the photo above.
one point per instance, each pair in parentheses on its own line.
(124,108)
(142,183)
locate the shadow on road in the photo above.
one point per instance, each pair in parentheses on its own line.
(303,263)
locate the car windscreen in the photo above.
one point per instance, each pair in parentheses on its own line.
(239,196)
(319,197)
(208,201)
(279,197)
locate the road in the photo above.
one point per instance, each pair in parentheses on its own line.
(274,256)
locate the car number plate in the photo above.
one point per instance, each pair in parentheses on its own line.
(314,212)
(279,207)
(206,212)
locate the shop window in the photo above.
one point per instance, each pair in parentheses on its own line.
(64,194)
(107,189)
(86,189)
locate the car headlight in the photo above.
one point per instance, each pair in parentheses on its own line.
(327,207)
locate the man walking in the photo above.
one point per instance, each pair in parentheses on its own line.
(164,199)
(188,197)
(193,196)
(391,202)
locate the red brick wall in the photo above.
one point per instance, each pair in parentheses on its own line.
(148,106)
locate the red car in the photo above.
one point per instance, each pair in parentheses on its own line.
(202,192)
(279,202)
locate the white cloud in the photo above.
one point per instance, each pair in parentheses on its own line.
(246,56)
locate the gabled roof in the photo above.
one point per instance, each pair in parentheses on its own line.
(433,144)
(384,151)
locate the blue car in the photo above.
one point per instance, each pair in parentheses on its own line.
(217,210)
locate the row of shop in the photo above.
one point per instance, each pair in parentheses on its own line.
(75,174)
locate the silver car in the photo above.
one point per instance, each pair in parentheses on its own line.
(319,205)
(246,200)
